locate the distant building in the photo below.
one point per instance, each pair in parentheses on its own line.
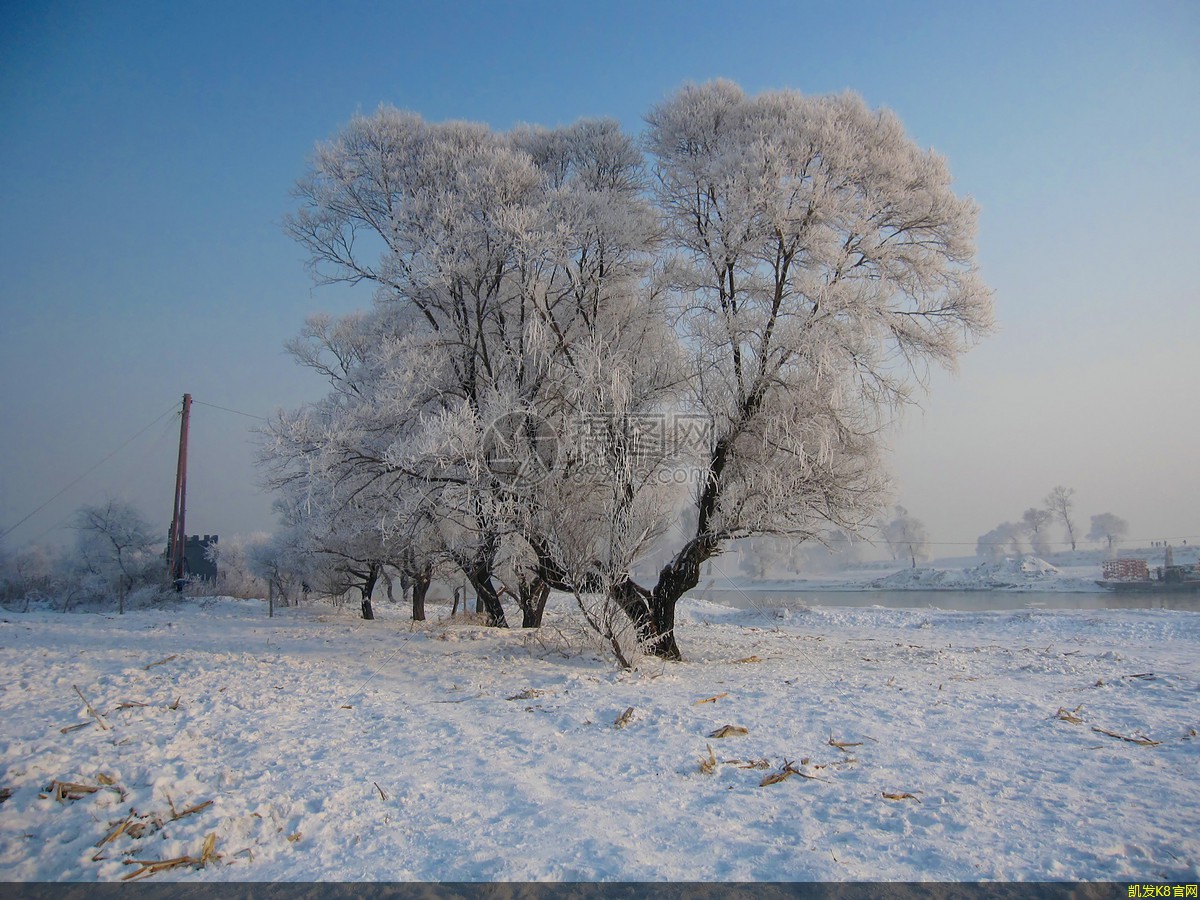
(196,563)
(196,557)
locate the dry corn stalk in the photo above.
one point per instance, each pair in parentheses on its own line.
(900,795)
(70,790)
(191,809)
(749,763)
(712,699)
(91,711)
(624,718)
(1140,741)
(786,771)
(708,766)
(119,830)
(1071,716)
(208,853)
(729,731)
(843,745)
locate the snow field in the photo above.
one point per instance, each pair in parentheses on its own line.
(337,749)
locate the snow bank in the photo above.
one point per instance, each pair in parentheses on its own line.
(911,744)
(1025,573)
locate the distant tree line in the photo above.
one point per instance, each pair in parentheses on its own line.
(1032,533)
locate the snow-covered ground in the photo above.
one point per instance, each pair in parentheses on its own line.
(916,745)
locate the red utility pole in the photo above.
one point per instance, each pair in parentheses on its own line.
(176,561)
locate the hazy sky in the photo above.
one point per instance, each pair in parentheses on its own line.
(147,151)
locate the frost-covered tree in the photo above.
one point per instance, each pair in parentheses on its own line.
(500,262)
(906,536)
(28,573)
(116,549)
(1035,522)
(1002,541)
(1060,503)
(809,263)
(819,261)
(759,557)
(283,563)
(235,575)
(1109,528)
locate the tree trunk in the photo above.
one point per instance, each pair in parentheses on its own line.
(532,597)
(656,624)
(485,591)
(367,589)
(653,612)
(420,585)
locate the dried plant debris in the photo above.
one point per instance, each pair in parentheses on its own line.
(529,694)
(1072,716)
(68,790)
(624,718)
(708,765)
(160,662)
(729,731)
(91,710)
(191,810)
(843,745)
(748,659)
(1136,739)
(786,771)
(763,763)
(208,853)
(713,699)
(134,825)
(900,795)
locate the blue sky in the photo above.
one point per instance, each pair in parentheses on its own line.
(148,149)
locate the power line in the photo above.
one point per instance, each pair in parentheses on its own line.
(157,419)
(236,412)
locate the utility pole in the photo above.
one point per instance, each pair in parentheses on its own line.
(176,558)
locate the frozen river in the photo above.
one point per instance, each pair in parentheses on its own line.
(971,601)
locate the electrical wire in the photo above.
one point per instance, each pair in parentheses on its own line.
(157,419)
(236,412)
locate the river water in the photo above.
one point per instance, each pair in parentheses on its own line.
(970,601)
